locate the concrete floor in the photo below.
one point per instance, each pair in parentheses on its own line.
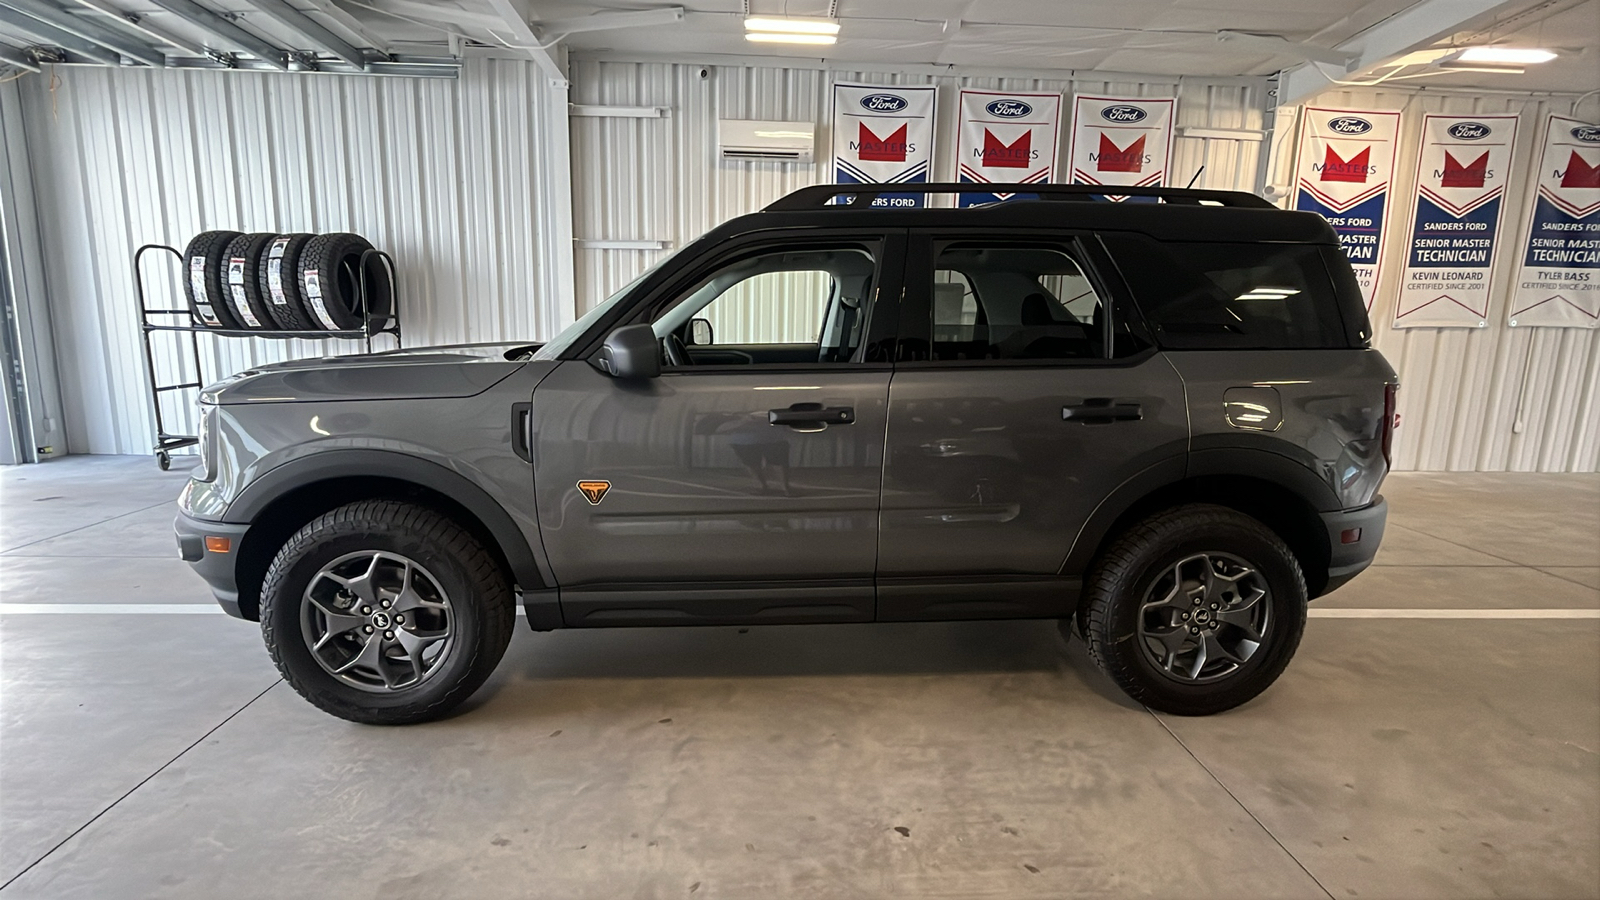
(158,755)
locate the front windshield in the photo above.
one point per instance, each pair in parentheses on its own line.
(563,342)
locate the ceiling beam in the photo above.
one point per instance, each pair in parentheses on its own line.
(226,31)
(1415,28)
(524,39)
(350,24)
(445,15)
(138,23)
(89,31)
(606,21)
(50,34)
(17,58)
(310,29)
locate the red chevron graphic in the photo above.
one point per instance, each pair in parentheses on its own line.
(1116,159)
(999,154)
(1469,176)
(877,149)
(1353,170)
(1580,174)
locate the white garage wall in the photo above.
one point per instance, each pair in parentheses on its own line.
(661,179)
(1461,389)
(463,181)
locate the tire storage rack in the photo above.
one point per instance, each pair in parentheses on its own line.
(202,283)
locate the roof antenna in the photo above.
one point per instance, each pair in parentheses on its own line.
(1195,178)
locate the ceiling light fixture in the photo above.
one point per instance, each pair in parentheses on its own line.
(764,38)
(1513,56)
(792,25)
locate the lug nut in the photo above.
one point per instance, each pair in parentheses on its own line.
(1216,606)
(1184,616)
(367,629)
(388,635)
(366,610)
(1193,629)
(384,604)
(399,619)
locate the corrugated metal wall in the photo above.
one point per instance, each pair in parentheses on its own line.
(1462,388)
(466,183)
(459,179)
(661,179)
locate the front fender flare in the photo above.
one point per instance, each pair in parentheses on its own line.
(329,465)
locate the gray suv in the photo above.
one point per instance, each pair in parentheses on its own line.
(1159,421)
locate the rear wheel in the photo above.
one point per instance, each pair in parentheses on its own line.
(385,613)
(1195,610)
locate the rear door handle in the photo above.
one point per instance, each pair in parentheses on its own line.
(812,414)
(1102,410)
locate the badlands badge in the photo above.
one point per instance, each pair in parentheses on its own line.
(594,491)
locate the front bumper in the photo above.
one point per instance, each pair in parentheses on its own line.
(1349,558)
(217,568)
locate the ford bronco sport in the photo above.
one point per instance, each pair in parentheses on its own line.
(1159,421)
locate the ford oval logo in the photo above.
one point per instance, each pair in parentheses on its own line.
(884,103)
(1123,114)
(1468,131)
(1349,125)
(1589,134)
(1009,109)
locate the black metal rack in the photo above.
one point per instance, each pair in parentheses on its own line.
(166,442)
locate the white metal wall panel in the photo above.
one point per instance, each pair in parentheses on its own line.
(661,178)
(1462,389)
(463,181)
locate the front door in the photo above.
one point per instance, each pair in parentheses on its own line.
(743,483)
(1025,394)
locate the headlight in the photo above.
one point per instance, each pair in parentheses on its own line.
(207,470)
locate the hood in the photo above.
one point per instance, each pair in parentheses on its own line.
(457,370)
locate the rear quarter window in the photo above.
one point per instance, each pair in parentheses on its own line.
(1232,296)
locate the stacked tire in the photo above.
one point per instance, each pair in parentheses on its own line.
(286,282)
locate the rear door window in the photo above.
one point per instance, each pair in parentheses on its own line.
(1203,296)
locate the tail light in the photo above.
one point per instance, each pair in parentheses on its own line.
(1391,420)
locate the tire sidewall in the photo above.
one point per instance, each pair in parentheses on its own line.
(1285,625)
(282,612)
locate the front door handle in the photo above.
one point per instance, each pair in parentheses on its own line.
(1102,410)
(812,414)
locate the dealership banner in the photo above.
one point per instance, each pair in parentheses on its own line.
(1462,169)
(883,135)
(1121,141)
(1006,137)
(1345,166)
(1559,280)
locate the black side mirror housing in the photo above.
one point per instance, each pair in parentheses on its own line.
(632,351)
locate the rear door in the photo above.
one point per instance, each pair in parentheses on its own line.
(742,485)
(1025,391)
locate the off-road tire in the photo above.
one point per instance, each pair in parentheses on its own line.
(241,281)
(478,587)
(285,301)
(204,276)
(1108,616)
(330,270)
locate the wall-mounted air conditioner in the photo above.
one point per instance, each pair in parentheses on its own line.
(783,141)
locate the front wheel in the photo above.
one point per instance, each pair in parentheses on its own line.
(1195,610)
(385,613)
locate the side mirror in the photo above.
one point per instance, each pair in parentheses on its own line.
(700,333)
(631,351)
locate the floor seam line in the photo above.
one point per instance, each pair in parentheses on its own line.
(142,782)
(1287,852)
(1563,577)
(1473,549)
(52,537)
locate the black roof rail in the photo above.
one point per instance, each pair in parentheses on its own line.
(818,196)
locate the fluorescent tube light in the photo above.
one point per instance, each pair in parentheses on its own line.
(791,38)
(791,25)
(1513,56)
